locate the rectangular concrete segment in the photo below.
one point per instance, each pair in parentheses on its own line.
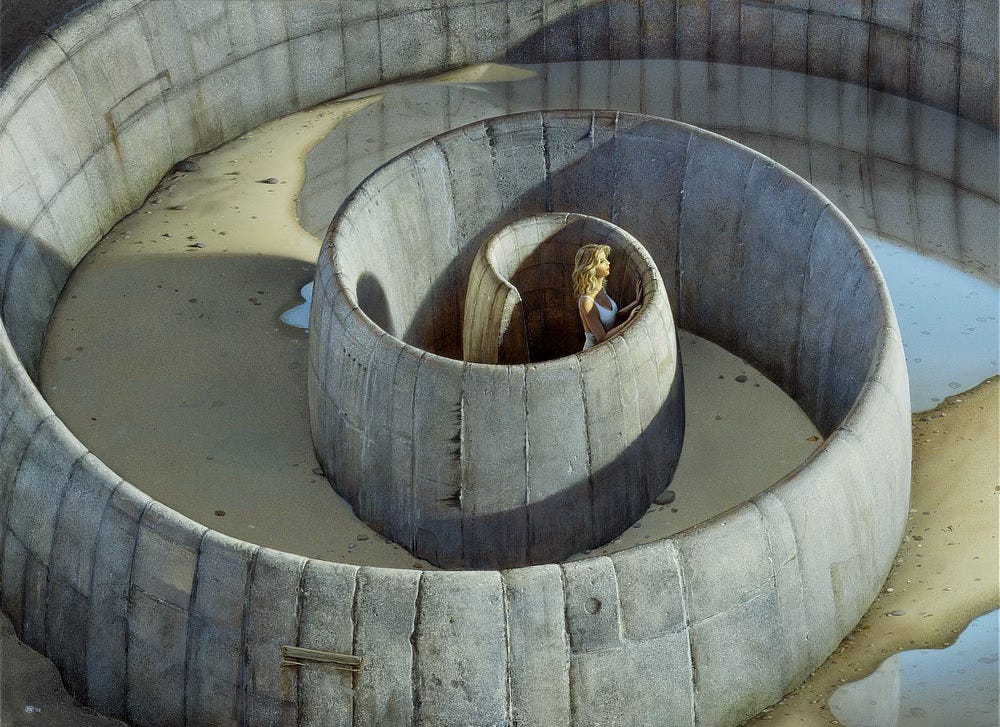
(650,574)
(493,402)
(384,612)
(549,410)
(37,494)
(460,681)
(268,689)
(746,673)
(538,646)
(710,257)
(107,624)
(326,694)
(614,687)
(593,616)
(701,550)
(216,634)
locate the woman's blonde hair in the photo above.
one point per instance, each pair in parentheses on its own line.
(584,277)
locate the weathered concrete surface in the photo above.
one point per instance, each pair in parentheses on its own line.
(97,113)
(31,692)
(513,464)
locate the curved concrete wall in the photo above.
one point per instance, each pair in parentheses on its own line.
(471,465)
(155,618)
(520,305)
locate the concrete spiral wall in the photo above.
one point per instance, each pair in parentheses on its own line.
(156,618)
(520,305)
(473,465)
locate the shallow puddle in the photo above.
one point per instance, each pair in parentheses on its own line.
(956,685)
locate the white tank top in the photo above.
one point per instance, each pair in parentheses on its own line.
(607,315)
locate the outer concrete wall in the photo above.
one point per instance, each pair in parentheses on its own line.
(467,464)
(152,617)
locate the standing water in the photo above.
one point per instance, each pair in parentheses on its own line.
(930,687)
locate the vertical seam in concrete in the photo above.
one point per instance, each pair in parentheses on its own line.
(191,619)
(128,608)
(355,676)
(415,653)
(547,157)
(141,21)
(586,431)
(90,586)
(527,462)
(569,647)
(682,584)
(770,545)
(20,462)
(802,580)
(366,417)
(19,628)
(381,63)
(242,702)
(462,455)
(615,170)
(618,604)
(806,279)
(287,43)
(300,597)
(744,333)
(679,263)
(507,648)
(52,546)
(415,525)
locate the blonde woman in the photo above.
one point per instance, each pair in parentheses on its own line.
(598,312)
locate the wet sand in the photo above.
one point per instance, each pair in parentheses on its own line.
(946,570)
(167,357)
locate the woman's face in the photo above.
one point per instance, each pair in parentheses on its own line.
(603,269)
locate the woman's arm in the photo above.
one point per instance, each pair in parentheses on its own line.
(592,320)
(622,312)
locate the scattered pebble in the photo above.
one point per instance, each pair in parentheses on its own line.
(220,513)
(896,613)
(741,378)
(362,537)
(666,497)
(269,180)
(197,244)
(177,207)
(187,165)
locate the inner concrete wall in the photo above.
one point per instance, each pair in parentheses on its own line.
(157,619)
(520,305)
(470,465)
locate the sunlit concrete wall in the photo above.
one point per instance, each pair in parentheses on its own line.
(470,465)
(156,618)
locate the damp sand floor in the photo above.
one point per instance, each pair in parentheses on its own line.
(216,427)
(167,357)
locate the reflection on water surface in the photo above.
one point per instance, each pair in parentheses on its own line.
(930,687)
